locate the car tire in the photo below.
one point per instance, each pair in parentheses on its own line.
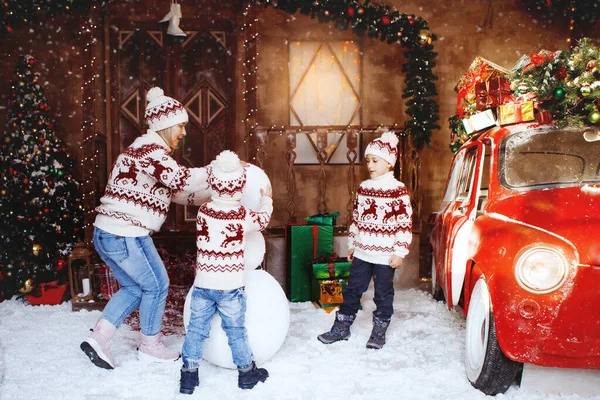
(487,368)
(436,290)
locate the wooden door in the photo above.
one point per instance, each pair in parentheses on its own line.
(197,71)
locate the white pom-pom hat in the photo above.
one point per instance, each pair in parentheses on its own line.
(384,147)
(227,177)
(163,111)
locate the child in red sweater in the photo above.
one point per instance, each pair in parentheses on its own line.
(378,240)
(219,286)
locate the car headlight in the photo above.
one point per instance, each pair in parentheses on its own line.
(541,269)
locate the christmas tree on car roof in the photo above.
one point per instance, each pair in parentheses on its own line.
(549,87)
(41,213)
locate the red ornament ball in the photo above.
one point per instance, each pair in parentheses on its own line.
(351,11)
(46,210)
(25,181)
(385,20)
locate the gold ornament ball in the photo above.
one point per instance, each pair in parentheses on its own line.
(594,117)
(326,12)
(424,38)
(361,10)
(27,287)
(21,83)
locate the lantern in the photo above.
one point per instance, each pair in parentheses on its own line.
(81,275)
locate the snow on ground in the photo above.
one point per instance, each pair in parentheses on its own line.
(423,359)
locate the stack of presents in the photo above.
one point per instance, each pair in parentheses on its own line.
(315,273)
(487,98)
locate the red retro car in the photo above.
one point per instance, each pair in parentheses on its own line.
(516,248)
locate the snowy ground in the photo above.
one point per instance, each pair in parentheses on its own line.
(423,359)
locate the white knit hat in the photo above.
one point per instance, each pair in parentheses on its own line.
(384,147)
(163,111)
(227,176)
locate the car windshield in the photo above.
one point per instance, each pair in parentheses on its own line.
(541,158)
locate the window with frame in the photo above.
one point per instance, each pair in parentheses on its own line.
(325,90)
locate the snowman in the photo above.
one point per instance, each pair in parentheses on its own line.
(267,307)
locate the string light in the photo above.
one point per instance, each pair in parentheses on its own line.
(89,164)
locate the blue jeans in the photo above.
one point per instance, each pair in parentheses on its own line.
(231,305)
(144,281)
(358,282)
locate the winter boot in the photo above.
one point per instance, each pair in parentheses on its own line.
(377,339)
(189,380)
(97,345)
(152,349)
(249,377)
(340,329)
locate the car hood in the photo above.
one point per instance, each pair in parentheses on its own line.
(570,213)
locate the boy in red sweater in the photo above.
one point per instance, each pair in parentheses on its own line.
(222,225)
(378,240)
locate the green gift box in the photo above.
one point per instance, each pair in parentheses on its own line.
(322,219)
(330,268)
(304,244)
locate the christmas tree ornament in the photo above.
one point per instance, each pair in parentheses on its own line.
(326,12)
(522,88)
(385,20)
(424,38)
(27,287)
(591,65)
(585,89)
(361,11)
(559,93)
(350,12)
(594,117)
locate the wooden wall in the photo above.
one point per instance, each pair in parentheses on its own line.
(500,30)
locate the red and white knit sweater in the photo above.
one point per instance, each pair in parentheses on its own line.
(381,220)
(221,228)
(139,189)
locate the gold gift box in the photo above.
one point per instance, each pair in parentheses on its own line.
(514,113)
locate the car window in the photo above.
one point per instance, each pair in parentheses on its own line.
(547,158)
(485,176)
(465,180)
(450,194)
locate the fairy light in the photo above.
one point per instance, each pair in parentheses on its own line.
(250,68)
(89,163)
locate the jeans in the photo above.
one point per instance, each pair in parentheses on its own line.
(231,305)
(358,282)
(144,281)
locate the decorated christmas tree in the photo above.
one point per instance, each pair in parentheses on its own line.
(40,207)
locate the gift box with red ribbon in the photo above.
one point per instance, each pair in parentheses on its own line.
(480,70)
(514,113)
(492,93)
(330,276)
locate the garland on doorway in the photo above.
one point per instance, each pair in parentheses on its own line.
(381,22)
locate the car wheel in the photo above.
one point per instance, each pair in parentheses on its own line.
(436,290)
(488,369)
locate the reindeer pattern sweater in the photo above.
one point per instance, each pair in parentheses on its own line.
(381,220)
(221,229)
(140,186)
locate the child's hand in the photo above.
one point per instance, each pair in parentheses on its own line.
(350,254)
(267,192)
(395,261)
